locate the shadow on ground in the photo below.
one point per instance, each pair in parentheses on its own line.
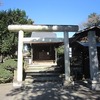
(54,91)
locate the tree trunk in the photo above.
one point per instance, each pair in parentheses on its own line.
(1,58)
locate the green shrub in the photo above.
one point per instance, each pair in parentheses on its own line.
(10,64)
(7,70)
(5,75)
(60,50)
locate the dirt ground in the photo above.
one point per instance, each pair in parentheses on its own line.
(47,91)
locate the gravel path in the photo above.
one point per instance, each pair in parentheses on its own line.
(47,91)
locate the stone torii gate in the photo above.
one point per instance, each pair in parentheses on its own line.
(42,28)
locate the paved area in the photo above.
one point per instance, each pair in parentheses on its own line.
(47,91)
(4,90)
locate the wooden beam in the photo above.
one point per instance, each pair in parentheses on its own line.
(43,28)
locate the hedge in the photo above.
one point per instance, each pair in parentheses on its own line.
(7,70)
(5,76)
(10,64)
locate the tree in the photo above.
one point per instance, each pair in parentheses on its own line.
(8,40)
(93,20)
(60,50)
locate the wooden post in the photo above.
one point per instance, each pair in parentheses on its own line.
(31,53)
(55,55)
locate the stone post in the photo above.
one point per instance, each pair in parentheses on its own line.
(93,54)
(66,57)
(94,65)
(20,57)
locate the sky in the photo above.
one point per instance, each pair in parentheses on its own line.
(60,12)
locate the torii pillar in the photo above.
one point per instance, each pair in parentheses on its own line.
(94,63)
(42,28)
(20,57)
(66,57)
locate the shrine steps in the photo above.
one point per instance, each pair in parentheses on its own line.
(44,73)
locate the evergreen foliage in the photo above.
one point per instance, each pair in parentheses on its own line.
(8,40)
(60,50)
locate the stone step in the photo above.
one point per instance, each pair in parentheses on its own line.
(43,70)
(41,67)
(43,73)
(43,79)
